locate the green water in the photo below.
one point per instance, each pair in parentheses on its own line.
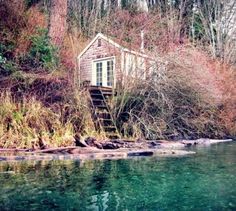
(205,181)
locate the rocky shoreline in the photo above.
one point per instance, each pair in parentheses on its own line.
(91,149)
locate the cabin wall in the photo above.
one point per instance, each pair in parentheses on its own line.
(135,68)
(97,52)
(129,69)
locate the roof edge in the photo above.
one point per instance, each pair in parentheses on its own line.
(115,44)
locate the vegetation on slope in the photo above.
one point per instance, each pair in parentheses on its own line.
(41,103)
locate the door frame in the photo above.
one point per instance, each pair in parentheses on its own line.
(104,74)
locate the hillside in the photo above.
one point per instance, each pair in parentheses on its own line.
(43,104)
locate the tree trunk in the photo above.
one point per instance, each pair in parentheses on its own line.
(119,4)
(142,5)
(57,21)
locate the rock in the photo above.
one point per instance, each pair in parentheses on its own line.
(19,158)
(3,158)
(75,151)
(139,140)
(189,144)
(110,145)
(42,143)
(98,145)
(172,145)
(153,144)
(79,142)
(118,141)
(92,142)
(170,152)
(35,144)
(140,153)
(203,141)
(8,172)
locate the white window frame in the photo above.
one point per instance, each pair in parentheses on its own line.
(104,71)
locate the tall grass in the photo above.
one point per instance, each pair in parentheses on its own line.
(25,124)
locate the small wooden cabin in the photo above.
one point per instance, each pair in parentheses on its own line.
(106,63)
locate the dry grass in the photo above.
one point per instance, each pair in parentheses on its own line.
(23,124)
(29,124)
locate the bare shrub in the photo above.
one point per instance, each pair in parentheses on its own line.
(34,19)
(162,32)
(169,104)
(227,112)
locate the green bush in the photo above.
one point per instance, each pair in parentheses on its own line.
(2,59)
(42,53)
(7,63)
(30,3)
(198,27)
(6,67)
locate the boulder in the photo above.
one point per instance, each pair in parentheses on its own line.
(92,142)
(42,143)
(79,142)
(153,144)
(110,145)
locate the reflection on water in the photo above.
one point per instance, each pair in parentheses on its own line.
(205,181)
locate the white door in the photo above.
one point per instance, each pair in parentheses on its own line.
(103,72)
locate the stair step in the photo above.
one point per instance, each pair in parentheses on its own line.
(101,107)
(95,94)
(109,128)
(107,122)
(95,99)
(107,93)
(113,135)
(103,119)
(93,88)
(97,102)
(103,115)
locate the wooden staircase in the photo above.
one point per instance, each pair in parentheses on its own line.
(101,113)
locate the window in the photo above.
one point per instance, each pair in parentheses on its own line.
(99,43)
(110,68)
(99,73)
(103,72)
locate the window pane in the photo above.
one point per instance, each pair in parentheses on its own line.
(110,69)
(99,73)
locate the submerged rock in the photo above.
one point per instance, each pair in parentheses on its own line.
(140,153)
(204,141)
